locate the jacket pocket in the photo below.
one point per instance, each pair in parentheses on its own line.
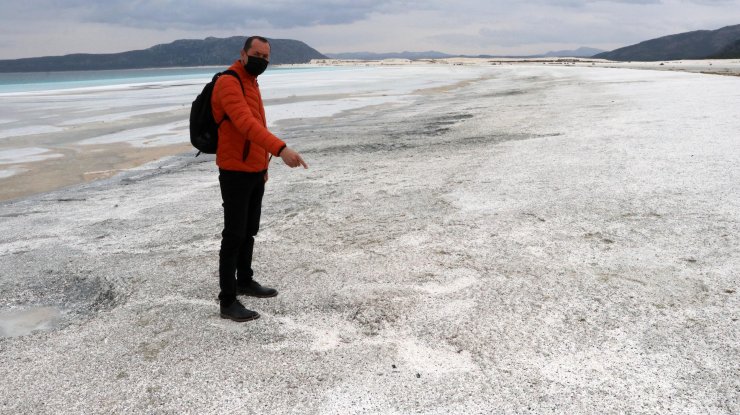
(245,152)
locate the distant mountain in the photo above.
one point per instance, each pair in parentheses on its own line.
(698,44)
(732,51)
(186,52)
(582,52)
(371,56)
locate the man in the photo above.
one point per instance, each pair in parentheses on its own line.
(245,148)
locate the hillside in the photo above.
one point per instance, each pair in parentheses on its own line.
(186,52)
(582,52)
(732,51)
(698,44)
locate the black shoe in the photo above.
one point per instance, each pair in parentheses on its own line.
(254,289)
(237,312)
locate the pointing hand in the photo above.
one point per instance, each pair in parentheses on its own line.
(292,158)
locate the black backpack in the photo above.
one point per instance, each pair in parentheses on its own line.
(203,127)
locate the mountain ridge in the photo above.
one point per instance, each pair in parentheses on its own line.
(697,44)
(180,53)
(723,43)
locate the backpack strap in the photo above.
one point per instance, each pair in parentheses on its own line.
(235,75)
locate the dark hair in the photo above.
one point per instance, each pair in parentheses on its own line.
(248,43)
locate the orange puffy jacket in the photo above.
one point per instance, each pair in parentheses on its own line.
(244,143)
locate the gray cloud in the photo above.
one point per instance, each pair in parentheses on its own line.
(276,13)
(221,14)
(218,14)
(35,27)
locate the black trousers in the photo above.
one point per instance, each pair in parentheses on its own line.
(242,201)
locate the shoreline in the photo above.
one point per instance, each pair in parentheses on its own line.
(101,147)
(730,67)
(79,164)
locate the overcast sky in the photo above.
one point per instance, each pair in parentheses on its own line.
(56,27)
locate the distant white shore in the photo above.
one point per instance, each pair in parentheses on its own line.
(708,66)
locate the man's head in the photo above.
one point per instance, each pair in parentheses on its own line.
(256,46)
(255,55)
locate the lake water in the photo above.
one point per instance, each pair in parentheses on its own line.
(45,81)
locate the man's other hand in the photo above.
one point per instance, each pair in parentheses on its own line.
(292,158)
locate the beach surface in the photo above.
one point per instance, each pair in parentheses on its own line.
(68,134)
(515,239)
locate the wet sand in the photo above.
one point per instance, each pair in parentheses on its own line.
(80,165)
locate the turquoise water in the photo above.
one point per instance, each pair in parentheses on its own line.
(45,81)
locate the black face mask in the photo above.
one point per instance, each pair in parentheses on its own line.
(255,66)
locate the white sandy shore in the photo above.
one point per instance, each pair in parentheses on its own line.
(92,129)
(541,240)
(707,66)
(151,117)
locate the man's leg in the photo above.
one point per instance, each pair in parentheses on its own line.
(244,270)
(246,284)
(235,192)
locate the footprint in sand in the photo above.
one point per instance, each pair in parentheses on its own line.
(457,280)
